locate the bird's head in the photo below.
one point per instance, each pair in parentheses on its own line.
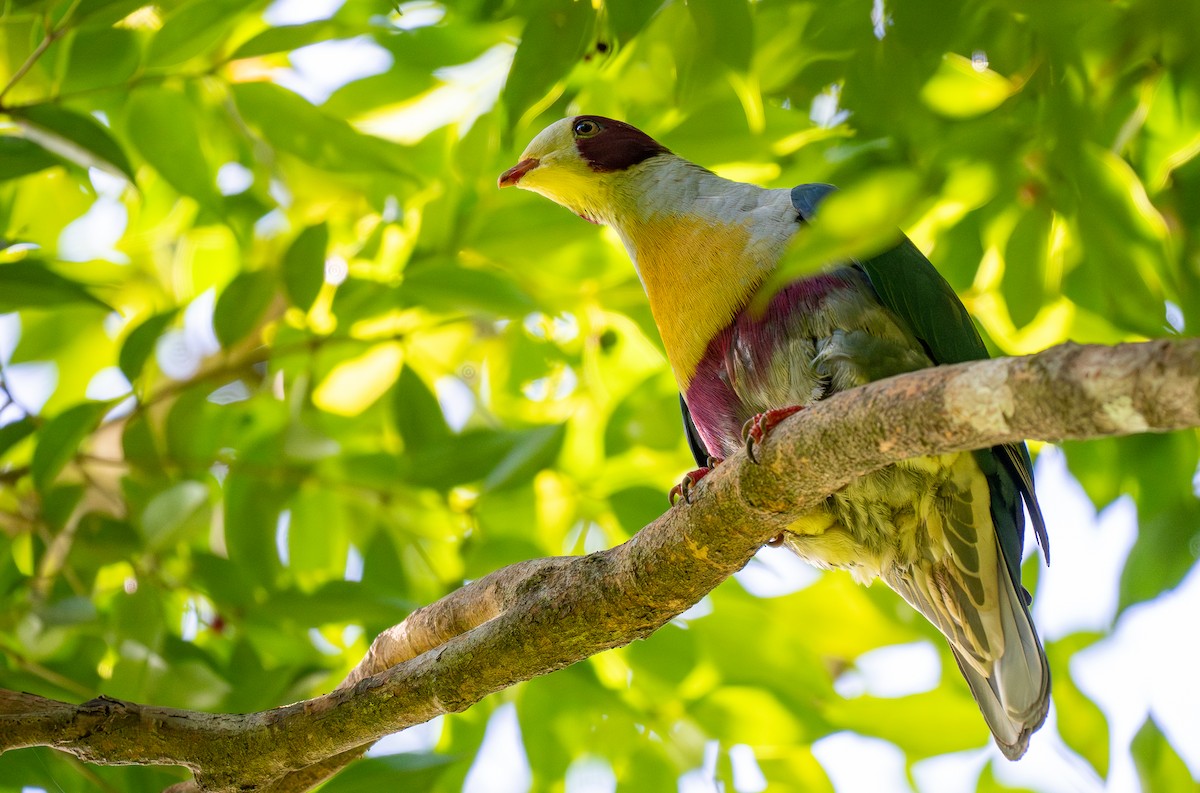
(580,163)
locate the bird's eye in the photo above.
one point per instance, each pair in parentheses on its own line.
(586,128)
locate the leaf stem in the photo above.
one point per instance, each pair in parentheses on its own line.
(53,34)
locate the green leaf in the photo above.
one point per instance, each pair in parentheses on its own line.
(192,30)
(743,714)
(647,418)
(334,602)
(1162,467)
(1158,765)
(959,90)
(59,440)
(171,511)
(252,508)
(163,126)
(443,285)
(635,507)
(241,306)
(949,720)
(460,459)
(413,773)
(318,533)
(59,502)
(725,30)
(75,137)
(105,13)
(100,58)
(555,37)
(197,429)
(1080,722)
(14,432)
(30,284)
(534,450)
(1124,245)
(292,124)
(139,345)
(304,265)
(1163,554)
(21,157)
(285,38)
(1025,255)
(416,413)
(626,18)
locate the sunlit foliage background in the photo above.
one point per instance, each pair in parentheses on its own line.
(279,368)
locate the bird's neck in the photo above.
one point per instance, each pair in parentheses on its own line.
(701,244)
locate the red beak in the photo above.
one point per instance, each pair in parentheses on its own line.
(513,175)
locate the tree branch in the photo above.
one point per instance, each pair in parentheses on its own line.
(538,616)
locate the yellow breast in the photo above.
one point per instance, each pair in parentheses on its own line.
(697,275)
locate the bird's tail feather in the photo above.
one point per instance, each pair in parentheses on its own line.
(1015,694)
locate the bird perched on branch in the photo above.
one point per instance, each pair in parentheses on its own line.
(945,532)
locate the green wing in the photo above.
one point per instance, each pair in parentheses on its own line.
(912,288)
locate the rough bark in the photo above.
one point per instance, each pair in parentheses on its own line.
(541,615)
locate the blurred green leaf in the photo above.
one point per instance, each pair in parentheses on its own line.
(948,717)
(1025,255)
(412,772)
(75,137)
(104,13)
(171,511)
(192,29)
(318,536)
(1080,722)
(14,432)
(283,38)
(725,30)
(556,34)
(1158,765)
(959,89)
(532,451)
(28,283)
(644,419)
(163,125)
(628,17)
(334,602)
(446,286)
(139,345)
(1124,239)
(416,412)
(20,157)
(304,265)
(1168,513)
(293,125)
(100,57)
(241,306)
(60,439)
(1166,549)
(196,429)
(252,513)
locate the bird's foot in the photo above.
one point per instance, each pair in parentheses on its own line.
(755,430)
(685,486)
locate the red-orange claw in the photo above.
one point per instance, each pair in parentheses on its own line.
(756,428)
(684,488)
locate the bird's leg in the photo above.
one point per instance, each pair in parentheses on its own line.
(684,488)
(755,430)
